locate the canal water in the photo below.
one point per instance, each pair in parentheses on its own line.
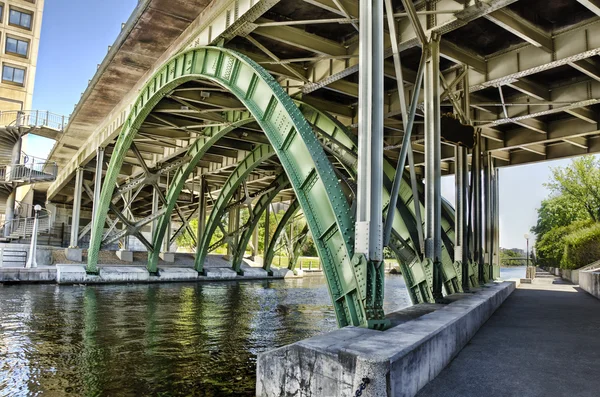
(156,339)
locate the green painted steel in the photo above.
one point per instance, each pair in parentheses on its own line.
(297,246)
(280,183)
(197,149)
(311,174)
(260,154)
(270,251)
(419,273)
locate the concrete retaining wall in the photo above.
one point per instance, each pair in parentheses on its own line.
(565,274)
(398,361)
(590,282)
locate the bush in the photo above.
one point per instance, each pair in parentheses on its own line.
(582,247)
(551,248)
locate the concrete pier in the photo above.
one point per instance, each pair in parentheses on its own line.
(398,362)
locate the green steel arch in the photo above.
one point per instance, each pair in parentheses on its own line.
(280,183)
(234,181)
(301,155)
(419,274)
(197,149)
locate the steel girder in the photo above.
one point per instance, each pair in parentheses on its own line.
(231,186)
(280,183)
(197,149)
(310,173)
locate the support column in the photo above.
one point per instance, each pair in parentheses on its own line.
(201,210)
(255,243)
(477,208)
(97,182)
(487,184)
(266,237)
(233,225)
(74,252)
(369,228)
(496,223)
(433,166)
(9,214)
(461,249)
(155,201)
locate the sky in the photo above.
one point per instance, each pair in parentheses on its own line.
(75,38)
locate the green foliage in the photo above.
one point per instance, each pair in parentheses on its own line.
(582,247)
(566,229)
(558,211)
(551,247)
(506,256)
(579,182)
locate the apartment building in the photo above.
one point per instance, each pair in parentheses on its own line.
(20,27)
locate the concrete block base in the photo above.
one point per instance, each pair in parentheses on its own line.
(254,272)
(74,254)
(125,256)
(283,273)
(70,274)
(220,273)
(35,275)
(124,274)
(398,361)
(177,274)
(167,256)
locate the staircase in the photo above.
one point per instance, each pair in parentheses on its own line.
(22,228)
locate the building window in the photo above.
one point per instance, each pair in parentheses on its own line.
(20,18)
(16,46)
(1,12)
(13,75)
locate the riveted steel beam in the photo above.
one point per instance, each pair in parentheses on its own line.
(280,183)
(195,152)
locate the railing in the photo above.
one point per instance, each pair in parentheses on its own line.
(31,170)
(34,118)
(23,227)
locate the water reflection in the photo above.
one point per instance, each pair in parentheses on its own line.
(165,340)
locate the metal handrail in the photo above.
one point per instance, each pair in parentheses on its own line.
(34,170)
(33,118)
(23,227)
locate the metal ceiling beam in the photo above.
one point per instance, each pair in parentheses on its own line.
(517,25)
(300,38)
(584,113)
(592,5)
(459,55)
(579,141)
(587,67)
(532,89)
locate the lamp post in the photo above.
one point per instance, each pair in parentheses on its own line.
(527,252)
(31,261)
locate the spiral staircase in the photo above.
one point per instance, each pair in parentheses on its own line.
(27,170)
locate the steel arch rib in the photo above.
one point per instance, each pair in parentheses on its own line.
(196,151)
(404,222)
(270,253)
(280,183)
(234,181)
(308,168)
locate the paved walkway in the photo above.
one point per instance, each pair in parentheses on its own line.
(543,341)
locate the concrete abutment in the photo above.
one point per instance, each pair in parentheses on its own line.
(397,362)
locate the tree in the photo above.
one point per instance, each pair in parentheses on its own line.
(580,182)
(558,211)
(507,257)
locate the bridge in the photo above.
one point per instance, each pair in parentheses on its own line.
(202,110)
